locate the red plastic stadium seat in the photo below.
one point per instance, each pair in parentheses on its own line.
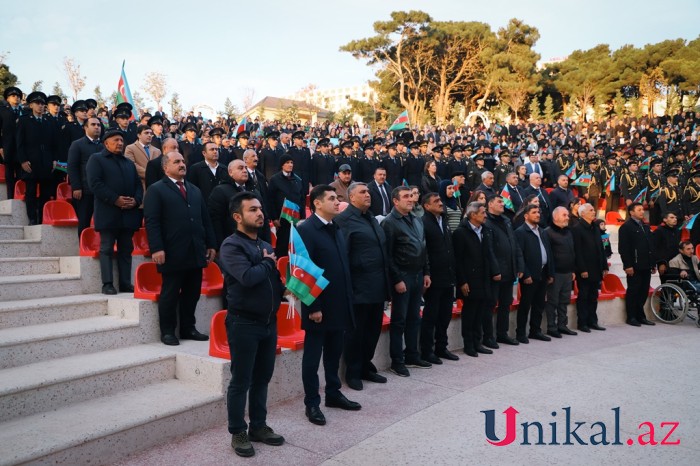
(140,240)
(602,204)
(653,227)
(20,190)
(613,284)
(386,322)
(282,264)
(64,192)
(575,191)
(574,292)
(2,173)
(59,214)
(685,234)
(89,243)
(289,332)
(218,341)
(212,280)
(697,250)
(549,190)
(614,218)
(148,282)
(457,309)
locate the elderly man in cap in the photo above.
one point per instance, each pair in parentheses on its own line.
(9,115)
(37,152)
(284,185)
(343,182)
(118,194)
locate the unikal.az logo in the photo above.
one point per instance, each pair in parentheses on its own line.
(574,432)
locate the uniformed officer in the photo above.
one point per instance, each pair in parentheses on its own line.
(53,106)
(393,165)
(302,160)
(225,156)
(691,204)
(9,115)
(475,172)
(121,121)
(671,195)
(631,182)
(610,175)
(654,182)
(368,164)
(242,139)
(156,125)
(501,171)
(414,163)
(270,155)
(322,163)
(188,147)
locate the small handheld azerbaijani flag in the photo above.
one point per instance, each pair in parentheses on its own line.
(290,212)
(241,126)
(306,280)
(640,197)
(507,201)
(401,121)
(124,92)
(583,180)
(691,222)
(457,192)
(62,167)
(645,164)
(405,183)
(610,185)
(571,172)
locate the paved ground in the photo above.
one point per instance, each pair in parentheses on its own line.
(650,373)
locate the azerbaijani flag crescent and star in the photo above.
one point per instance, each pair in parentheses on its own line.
(290,212)
(124,92)
(306,280)
(507,201)
(401,121)
(571,172)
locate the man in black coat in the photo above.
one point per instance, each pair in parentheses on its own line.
(331,313)
(207,174)
(270,155)
(188,147)
(9,115)
(439,298)
(154,167)
(79,153)
(221,195)
(517,197)
(666,239)
(394,166)
(559,291)
(591,266)
(369,269)
(561,196)
(302,160)
(122,123)
(118,194)
(284,185)
(477,267)
(510,262)
(636,249)
(322,163)
(537,189)
(179,247)
(380,193)
(538,272)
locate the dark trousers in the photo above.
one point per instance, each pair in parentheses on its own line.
(84,208)
(531,303)
(437,314)
(473,309)
(282,246)
(502,292)
(587,301)
(253,346)
(695,234)
(12,174)
(637,293)
(35,207)
(361,342)
(179,295)
(405,319)
(125,246)
(558,299)
(330,343)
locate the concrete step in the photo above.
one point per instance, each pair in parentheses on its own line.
(13,212)
(39,286)
(42,240)
(11,232)
(29,266)
(106,429)
(38,311)
(28,345)
(48,385)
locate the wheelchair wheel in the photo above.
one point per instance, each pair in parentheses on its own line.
(669,303)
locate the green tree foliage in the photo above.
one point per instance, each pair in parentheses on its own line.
(619,102)
(363,109)
(549,115)
(229,108)
(97,93)
(57,90)
(37,85)
(7,78)
(535,113)
(175,105)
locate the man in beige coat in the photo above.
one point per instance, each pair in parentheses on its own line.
(142,151)
(685,264)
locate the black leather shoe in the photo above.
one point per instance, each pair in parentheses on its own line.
(432,359)
(584,329)
(646,322)
(193,334)
(400,370)
(567,331)
(491,344)
(554,333)
(634,323)
(108,288)
(170,339)
(339,401)
(315,415)
(539,336)
(374,377)
(355,384)
(508,341)
(447,355)
(482,350)
(126,288)
(419,363)
(596,327)
(524,340)
(471,352)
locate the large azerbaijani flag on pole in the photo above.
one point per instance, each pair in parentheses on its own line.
(401,121)
(124,92)
(305,280)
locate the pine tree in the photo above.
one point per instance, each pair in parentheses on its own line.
(549,109)
(535,113)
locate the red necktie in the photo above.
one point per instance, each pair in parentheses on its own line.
(181,185)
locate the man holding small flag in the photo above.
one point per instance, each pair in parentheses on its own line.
(631,183)
(327,317)
(286,201)
(401,122)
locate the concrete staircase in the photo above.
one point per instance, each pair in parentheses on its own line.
(83,377)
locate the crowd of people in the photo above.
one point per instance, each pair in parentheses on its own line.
(429,216)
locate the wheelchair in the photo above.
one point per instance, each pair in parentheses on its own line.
(675,299)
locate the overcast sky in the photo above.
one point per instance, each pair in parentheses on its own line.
(210,50)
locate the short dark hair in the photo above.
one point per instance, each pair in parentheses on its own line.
(530,207)
(683,244)
(631,207)
(396,192)
(141,128)
(379,168)
(670,213)
(318,192)
(204,146)
(235,205)
(428,197)
(491,197)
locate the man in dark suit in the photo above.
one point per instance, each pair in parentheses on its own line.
(154,167)
(78,155)
(538,272)
(393,165)
(637,253)
(536,189)
(221,195)
(118,194)
(380,193)
(517,196)
(561,196)
(37,152)
(9,115)
(533,164)
(331,314)
(181,249)
(209,173)
(369,268)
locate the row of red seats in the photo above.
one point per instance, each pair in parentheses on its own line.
(90,243)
